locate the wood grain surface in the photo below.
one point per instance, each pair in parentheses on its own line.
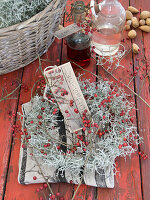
(127,181)
(143,87)
(132,179)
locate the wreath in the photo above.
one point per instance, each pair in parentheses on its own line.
(109,134)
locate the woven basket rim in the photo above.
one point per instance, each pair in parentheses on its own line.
(26,22)
(21,43)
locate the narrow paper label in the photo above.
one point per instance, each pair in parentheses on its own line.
(68,30)
(68,95)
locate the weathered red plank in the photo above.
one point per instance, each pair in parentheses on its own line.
(127,181)
(8,106)
(143,111)
(13,189)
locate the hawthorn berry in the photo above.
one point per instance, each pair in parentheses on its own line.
(34,177)
(37,189)
(57,194)
(76,110)
(104,117)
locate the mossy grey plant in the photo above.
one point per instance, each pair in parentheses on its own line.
(113,133)
(16,11)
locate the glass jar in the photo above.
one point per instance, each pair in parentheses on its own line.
(109,23)
(78,44)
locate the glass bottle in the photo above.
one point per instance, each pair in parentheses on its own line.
(78,44)
(109,23)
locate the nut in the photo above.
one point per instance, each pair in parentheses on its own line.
(145,14)
(127,27)
(129,22)
(133,9)
(60,27)
(135,22)
(142,22)
(148,21)
(128,15)
(135,48)
(145,28)
(132,34)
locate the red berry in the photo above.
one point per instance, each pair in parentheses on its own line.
(100,134)
(131,119)
(71,101)
(58,147)
(34,177)
(76,110)
(95,95)
(39,116)
(137,68)
(57,194)
(23,146)
(120,146)
(85,111)
(37,189)
(42,108)
(84,129)
(145,157)
(55,110)
(40,123)
(125,144)
(41,188)
(78,144)
(141,78)
(61,198)
(104,117)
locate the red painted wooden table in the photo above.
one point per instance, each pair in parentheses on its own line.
(132,181)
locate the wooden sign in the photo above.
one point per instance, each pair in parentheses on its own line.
(67,92)
(68,30)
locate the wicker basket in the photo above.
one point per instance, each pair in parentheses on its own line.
(22,43)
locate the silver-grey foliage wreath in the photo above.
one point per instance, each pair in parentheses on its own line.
(120,137)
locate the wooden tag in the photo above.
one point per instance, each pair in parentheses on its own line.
(68,95)
(68,30)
